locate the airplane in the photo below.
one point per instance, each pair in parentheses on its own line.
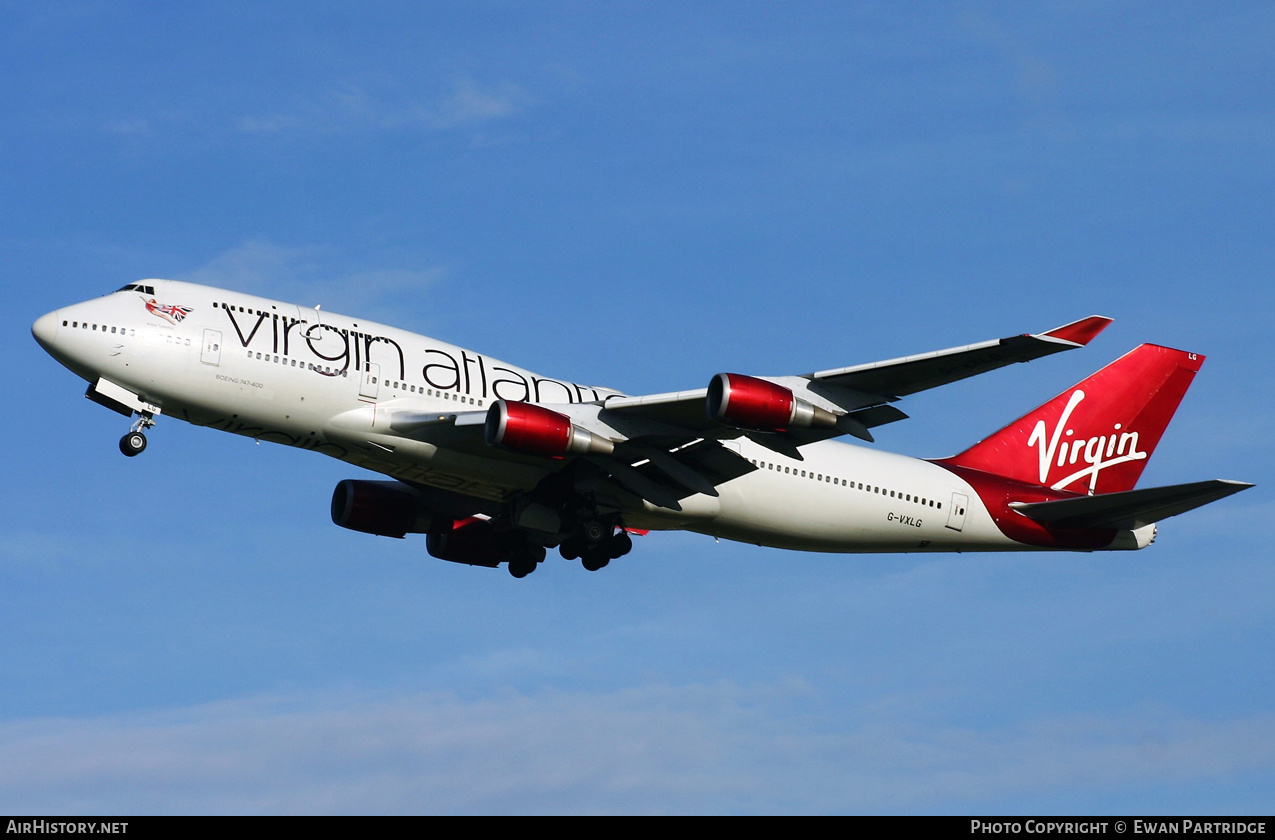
(496,464)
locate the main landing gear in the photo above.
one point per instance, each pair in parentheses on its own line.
(523,558)
(595,546)
(134,443)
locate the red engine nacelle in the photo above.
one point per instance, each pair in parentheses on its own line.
(472,541)
(384,508)
(752,403)
(535,430)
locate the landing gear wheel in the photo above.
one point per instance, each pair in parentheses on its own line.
(524,562)
(594,559)
(570,549)
(133,443)
(619,545)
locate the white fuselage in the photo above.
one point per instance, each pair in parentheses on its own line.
(330,383)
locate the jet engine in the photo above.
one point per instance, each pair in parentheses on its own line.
(535,430)
(751,403)
(384,508)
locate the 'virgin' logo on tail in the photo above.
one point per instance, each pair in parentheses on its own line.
(1098,452)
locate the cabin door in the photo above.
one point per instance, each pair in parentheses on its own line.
(956,513)
(211,354)
(369,382)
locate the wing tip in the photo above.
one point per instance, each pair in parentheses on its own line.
(1080,332)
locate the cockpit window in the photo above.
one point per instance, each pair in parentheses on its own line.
(137,287)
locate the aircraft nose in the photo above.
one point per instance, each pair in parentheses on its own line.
(45,329)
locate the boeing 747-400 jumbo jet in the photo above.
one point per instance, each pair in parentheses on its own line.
(495,464)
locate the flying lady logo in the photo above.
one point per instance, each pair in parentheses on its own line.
(1098,452)
(171,313)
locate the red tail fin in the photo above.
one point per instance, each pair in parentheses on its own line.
(1096,436)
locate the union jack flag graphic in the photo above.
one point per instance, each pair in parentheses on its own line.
(169,312)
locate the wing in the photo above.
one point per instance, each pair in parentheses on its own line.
(859,396)
(665,447)
(899,377)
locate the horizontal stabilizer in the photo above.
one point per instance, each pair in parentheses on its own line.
(1129,509)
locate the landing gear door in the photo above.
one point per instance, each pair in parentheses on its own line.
(211,354)
(956,513)
(368,382)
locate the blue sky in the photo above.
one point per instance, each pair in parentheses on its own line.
(639,196)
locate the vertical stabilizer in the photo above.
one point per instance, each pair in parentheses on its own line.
(1096,436)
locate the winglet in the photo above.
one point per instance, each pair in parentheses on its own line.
(1080,332)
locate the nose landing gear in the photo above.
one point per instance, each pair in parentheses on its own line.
(134,443)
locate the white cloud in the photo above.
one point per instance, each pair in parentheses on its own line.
(697,748)
(129,127)
(470,104)
(37,550)
(309,275)
(351,108)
